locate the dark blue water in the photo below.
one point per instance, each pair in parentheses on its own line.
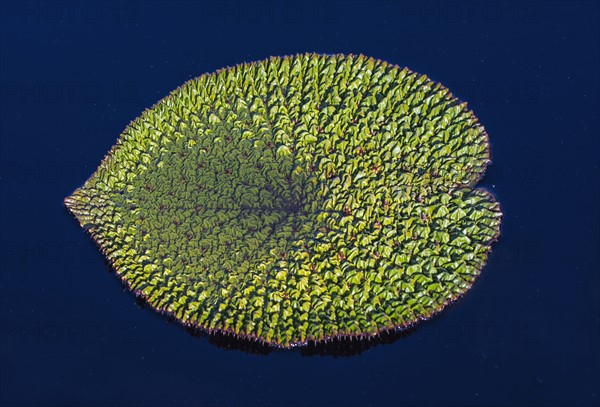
(74,74)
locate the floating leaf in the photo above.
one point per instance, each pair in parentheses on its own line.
(297,198)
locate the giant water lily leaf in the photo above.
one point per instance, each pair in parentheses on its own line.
(297,198)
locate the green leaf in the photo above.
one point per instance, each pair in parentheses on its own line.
(295,198)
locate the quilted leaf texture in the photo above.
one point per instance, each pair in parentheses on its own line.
(297,199)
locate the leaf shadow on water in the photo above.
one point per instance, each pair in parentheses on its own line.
(336,347)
